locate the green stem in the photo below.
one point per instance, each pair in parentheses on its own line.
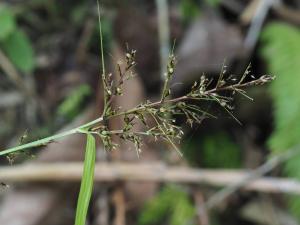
(102,60)
(47,140)
(164,89)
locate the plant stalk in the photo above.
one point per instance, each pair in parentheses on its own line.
(48,140)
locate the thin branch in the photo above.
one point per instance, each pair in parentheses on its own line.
(157,172)
(262,80)
(221,195)
(166,135)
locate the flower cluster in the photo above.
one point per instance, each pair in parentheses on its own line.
(158,117)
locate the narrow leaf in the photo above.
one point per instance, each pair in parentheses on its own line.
(87,181)
(19,50)
(7,22)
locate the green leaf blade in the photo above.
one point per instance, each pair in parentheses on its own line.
(7,22)
(87,181)
(20,51)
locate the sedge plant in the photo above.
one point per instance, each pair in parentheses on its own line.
(161,112)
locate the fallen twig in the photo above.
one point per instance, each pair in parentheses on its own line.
(254,175)
(159,172)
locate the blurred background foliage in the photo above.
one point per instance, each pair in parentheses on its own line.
(171,204)
(281,51)
(14,41)
(213,151)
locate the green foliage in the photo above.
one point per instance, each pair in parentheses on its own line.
(219,151)
(213,151)
(79,13)
(18,48)
(281,49)
(189,9)
(7,22)
(70,107)
(213,3)
(87,181)
(15,42)
(171,203)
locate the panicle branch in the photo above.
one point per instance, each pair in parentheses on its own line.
(162,112)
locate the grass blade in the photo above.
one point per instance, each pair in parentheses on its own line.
(87,181)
